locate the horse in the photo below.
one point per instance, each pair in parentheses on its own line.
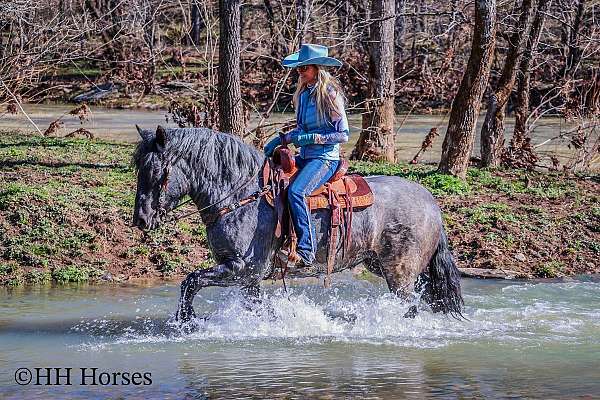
(400,237)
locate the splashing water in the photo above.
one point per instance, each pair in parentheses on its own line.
(534,340)
(358,313)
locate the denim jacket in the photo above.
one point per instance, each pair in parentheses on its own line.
(334,129)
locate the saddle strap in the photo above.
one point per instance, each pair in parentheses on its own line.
(348,217)
(336,216)
(281,184)
(293,256)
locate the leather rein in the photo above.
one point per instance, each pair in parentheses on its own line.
(213,217)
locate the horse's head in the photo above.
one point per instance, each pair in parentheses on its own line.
(160,183)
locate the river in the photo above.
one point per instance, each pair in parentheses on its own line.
(534,340)
(119,125)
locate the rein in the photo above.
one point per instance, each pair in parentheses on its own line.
(221,211)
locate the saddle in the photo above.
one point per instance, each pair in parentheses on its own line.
(341,194)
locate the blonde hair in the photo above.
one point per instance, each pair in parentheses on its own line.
(327,91)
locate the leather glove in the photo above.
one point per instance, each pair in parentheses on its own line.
(271,146)
(306,138)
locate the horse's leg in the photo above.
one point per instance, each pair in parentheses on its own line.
(401,277)
(253,301)
(219,275)
(404,255)
(251,295)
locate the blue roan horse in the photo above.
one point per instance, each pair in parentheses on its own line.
(400,237)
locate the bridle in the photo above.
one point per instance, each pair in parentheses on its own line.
(212,217)
(164,184)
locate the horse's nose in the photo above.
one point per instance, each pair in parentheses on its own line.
(140,220)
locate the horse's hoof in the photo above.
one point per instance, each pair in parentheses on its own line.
(412,312)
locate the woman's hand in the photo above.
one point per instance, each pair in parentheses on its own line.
(286,138)
(271,146)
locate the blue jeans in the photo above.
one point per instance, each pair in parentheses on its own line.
(313,173)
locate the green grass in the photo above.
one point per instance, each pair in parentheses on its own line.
(513,183)
(489,214)
(551,269)
(438,184)
(74,273)
(518,182)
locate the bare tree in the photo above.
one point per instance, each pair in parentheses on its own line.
(57,49)
(574,51)
(521,133)
(399,25)
(197,23)
(275,35)
(376,140)
(458,142)
(343,17)
(492,131)
(231,114)
(35,40)
(302,15)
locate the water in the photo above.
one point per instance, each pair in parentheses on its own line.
(522,340)
(119,125)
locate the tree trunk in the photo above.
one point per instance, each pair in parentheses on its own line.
(574,52)
(301,19)
(523,86)
(376,142)
(197,24)
(231,116)
(399,25)
(106,12)
(275,37)
(458,142)
(361,13)
(592,99)
(149,69)
(492,131)
(343,16)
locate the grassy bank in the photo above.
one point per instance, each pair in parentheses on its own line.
(65,216)
(66,204)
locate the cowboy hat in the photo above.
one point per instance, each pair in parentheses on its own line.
(311,54)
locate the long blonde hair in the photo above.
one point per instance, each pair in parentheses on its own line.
(328,90)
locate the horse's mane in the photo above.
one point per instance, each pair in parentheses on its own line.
(220,155)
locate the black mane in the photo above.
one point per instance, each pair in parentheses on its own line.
(217,154)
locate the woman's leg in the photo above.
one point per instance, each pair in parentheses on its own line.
(313,174)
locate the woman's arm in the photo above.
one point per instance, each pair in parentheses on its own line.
(340,124)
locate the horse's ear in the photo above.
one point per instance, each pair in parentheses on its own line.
(161,139)
(145,135)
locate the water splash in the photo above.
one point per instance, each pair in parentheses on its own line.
(359,313)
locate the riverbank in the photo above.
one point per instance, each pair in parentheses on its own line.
(66,204)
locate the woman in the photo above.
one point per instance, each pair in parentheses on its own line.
(321,126)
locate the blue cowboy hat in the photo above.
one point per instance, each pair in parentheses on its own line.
(311,54)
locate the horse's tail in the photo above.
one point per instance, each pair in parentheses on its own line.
(443,287)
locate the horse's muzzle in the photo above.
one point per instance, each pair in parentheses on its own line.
(145,222)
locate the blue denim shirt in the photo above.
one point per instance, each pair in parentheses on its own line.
(333,129)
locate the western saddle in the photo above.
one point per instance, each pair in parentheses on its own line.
(341,194)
